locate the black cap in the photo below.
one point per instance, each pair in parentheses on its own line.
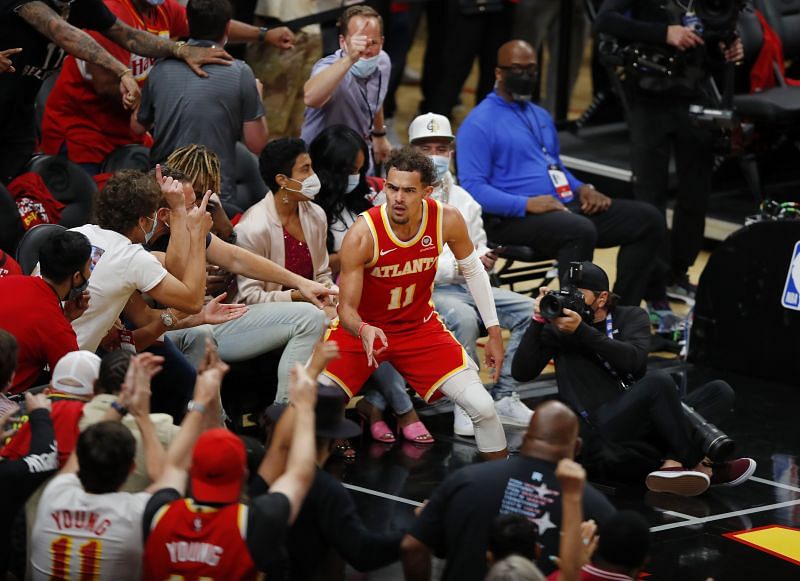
(330,420)
(586,275)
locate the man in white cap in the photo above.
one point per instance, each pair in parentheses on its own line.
(431,134)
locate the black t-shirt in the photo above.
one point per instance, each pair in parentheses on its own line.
(267,523)
(456,521)
(328,522)
(583,380)
(160,244)
(40,57)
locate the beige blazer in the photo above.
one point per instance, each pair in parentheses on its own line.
(260,231)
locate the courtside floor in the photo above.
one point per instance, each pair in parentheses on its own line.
(692,538)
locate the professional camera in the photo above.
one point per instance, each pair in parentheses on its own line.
(715,443)
(553,303)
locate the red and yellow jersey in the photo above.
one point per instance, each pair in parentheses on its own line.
(398,280)
(193,542)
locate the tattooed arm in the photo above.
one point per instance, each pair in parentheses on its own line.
(79,44)
(146,44)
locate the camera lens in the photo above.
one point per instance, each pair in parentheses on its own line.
(550,306)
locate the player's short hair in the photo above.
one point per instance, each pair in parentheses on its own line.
(208,18)
(200,164)
(513,534)
(409,159)
(113,368)
(360,10)
(279,157)
(63,254)
(105,457)
(8,357)
(126,197)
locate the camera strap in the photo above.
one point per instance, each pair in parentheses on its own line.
(626,381)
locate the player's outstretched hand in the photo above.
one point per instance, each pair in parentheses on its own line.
(369,334)
(494,353)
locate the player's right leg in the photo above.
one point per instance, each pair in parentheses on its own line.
(350,370)
(466,390)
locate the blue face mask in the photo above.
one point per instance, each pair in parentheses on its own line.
(365,67)
(352,182)
(155,2)
(442,166)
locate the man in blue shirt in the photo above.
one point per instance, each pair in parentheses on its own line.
(508,159)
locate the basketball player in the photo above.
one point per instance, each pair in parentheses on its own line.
(388,263)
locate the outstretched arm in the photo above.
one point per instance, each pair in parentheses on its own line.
(457,237)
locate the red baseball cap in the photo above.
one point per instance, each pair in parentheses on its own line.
(219,461)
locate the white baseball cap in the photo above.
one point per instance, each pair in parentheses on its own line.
(75,373)
(430,125)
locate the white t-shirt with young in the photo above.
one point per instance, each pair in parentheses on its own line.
(119,269)
(77,535)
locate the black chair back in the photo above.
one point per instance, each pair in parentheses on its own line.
(11,229)
(28,249)
(69,184)
(250,188)
(131,156)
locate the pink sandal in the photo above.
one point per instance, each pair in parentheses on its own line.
(417,433)
(381,432)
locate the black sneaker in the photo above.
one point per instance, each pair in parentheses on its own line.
(732,472)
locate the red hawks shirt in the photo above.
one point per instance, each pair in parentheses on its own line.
(398,281)
(93,126)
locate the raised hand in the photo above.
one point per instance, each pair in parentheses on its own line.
(135,392)
(324,353)
(198,219)
(302,387)
(209,376)
(172,190)
(6,66)
(357,43)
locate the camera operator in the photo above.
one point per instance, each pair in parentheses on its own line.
(600,353)
(659,101)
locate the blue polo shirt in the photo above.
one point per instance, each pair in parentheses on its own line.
(504,150)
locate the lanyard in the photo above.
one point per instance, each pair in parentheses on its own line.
(364,96)
(627,381)
(537,135)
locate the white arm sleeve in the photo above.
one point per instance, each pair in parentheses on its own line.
(480,288)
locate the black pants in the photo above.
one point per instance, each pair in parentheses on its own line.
(18,132)
(658,127)
(651,411)
(570,236)
(466,37)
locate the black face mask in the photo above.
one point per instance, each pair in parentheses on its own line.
(76,291)
(520,84)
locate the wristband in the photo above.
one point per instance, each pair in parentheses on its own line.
(119,408)
(125,72)
(194,406)
(262,33)
(361,328)
(176,48)
(539,319)
(379,133)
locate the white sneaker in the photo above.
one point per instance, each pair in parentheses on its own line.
(462,423)
(512,412)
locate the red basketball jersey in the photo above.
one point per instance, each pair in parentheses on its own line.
(192,542)
(398,281)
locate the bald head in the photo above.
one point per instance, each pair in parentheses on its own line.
(516,72)
(552,433)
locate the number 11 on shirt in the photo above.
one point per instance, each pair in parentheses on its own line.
(397,293)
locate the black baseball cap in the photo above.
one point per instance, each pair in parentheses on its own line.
(330,420)
(587,275)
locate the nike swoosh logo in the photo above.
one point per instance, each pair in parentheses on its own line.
(428,318)
(385,252)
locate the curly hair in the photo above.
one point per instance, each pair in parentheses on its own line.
(126,197)
(409,159)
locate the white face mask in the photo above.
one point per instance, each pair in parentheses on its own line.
(149,235)
(309,187)
(442,165)
(364,67)
(352,182)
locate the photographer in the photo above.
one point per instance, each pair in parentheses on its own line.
(600,353)
(659,109)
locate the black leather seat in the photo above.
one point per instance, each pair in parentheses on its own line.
(523,264)
(69,184)
(250,188)
(131,156)
(28,249)
(11,229)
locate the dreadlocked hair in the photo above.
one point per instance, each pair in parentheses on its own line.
(200,164)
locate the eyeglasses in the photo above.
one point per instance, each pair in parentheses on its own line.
(519,69)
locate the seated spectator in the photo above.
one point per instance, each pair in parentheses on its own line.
(456,521)
(509,161)
(328,527)
(71,386)
(285,226)
(107,393)
(217,111)
(83,513)
(512,534)
(213,519)
(514,568)
(32,310)
(601,371)
(263,327)
(126,213)
(83,118)
(431,135)
(339,156)
(349,86)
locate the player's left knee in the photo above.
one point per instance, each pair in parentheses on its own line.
(479,405)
